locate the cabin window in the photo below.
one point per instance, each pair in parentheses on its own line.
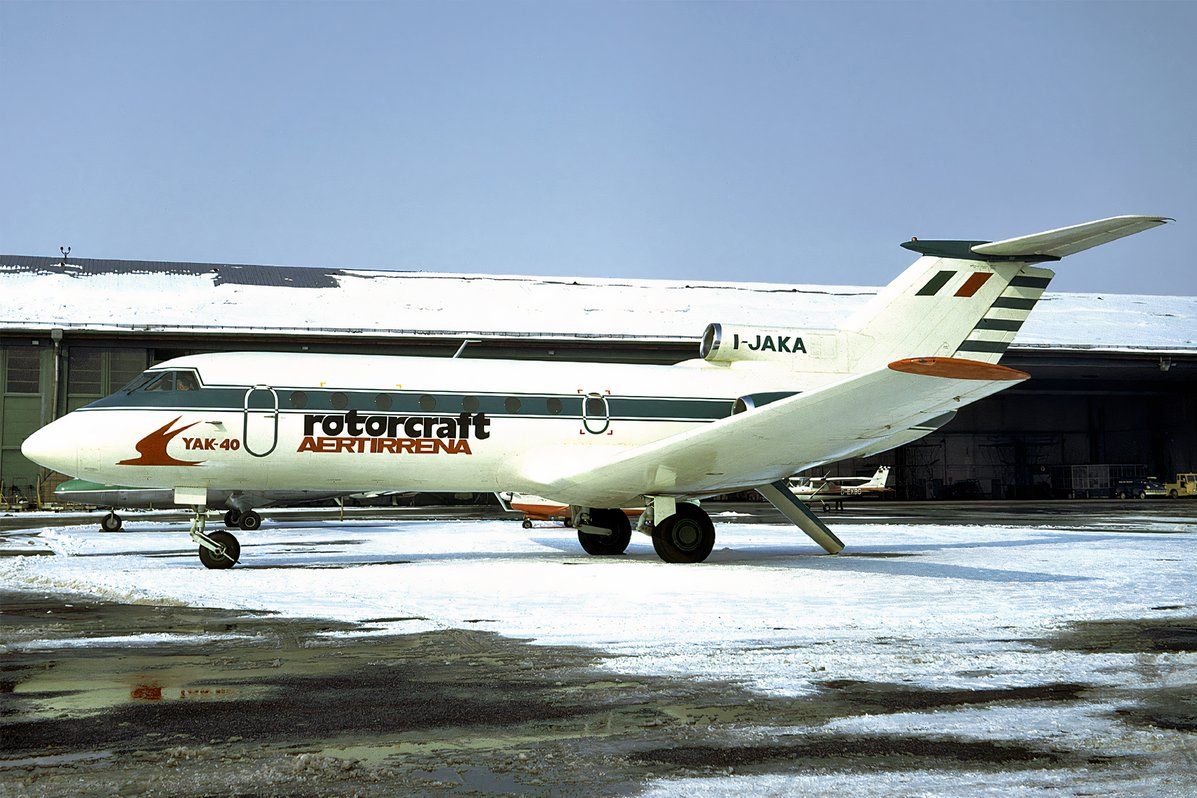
(339,401)
(555,406)
(186,381)
(299,400)
(470,404)
(512,404)
(383,401)
(427,402)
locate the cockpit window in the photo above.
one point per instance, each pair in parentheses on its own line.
(139,381)
(155,381)
(164,383)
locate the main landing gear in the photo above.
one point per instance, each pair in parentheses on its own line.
(248,520)
(216,549)
(687,536)
(603,532)
(111,522)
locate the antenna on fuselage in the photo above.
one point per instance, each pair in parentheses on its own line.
(464,344)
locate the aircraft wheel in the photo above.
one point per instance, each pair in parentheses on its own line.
(111,523)
(232,519)
(232,551)
(250,521)
(527,523)
(606,545)
(685,537)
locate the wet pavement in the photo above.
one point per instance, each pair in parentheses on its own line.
(103,698)
(108,697)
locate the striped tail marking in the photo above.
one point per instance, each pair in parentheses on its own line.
(995,331)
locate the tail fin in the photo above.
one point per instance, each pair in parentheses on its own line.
(968,299)
(879,479)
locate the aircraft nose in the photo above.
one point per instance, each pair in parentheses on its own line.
(49,448)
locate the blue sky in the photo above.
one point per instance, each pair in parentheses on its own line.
(777,142)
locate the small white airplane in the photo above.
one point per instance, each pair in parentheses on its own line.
(758,404)
(807,488)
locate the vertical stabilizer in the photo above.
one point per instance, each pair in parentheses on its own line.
(968,299)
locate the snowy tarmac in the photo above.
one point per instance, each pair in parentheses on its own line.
(943,606)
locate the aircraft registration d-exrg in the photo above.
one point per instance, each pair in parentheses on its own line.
(757,405)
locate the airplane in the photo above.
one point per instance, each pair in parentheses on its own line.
(807,488)
(240,513)
(538,508)
(758,404)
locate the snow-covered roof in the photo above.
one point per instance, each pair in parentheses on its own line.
(39,293)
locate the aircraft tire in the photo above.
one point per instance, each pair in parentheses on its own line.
(232,519)
(527,524)
(607,545)
(250,521)
(688,536)
(111,523)
(232,551)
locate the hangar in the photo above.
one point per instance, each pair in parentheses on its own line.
(1113,389)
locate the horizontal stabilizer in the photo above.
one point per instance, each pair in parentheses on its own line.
(1070,240)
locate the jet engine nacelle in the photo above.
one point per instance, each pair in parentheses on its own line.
(724,343)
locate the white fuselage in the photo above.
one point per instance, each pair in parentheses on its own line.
(357,423)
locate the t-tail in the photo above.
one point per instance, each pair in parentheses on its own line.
(968,299)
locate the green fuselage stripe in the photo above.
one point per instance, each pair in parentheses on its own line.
(232,399)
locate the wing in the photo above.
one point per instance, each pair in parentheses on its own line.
(769,443)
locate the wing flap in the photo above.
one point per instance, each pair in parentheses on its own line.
(765,444)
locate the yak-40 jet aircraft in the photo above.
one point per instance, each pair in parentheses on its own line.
(758,404)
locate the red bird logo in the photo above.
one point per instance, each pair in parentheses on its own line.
(152,448)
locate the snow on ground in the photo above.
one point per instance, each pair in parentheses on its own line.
(931,604)
(934,605)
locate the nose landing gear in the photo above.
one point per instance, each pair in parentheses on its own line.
(111,522)
(219,549)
